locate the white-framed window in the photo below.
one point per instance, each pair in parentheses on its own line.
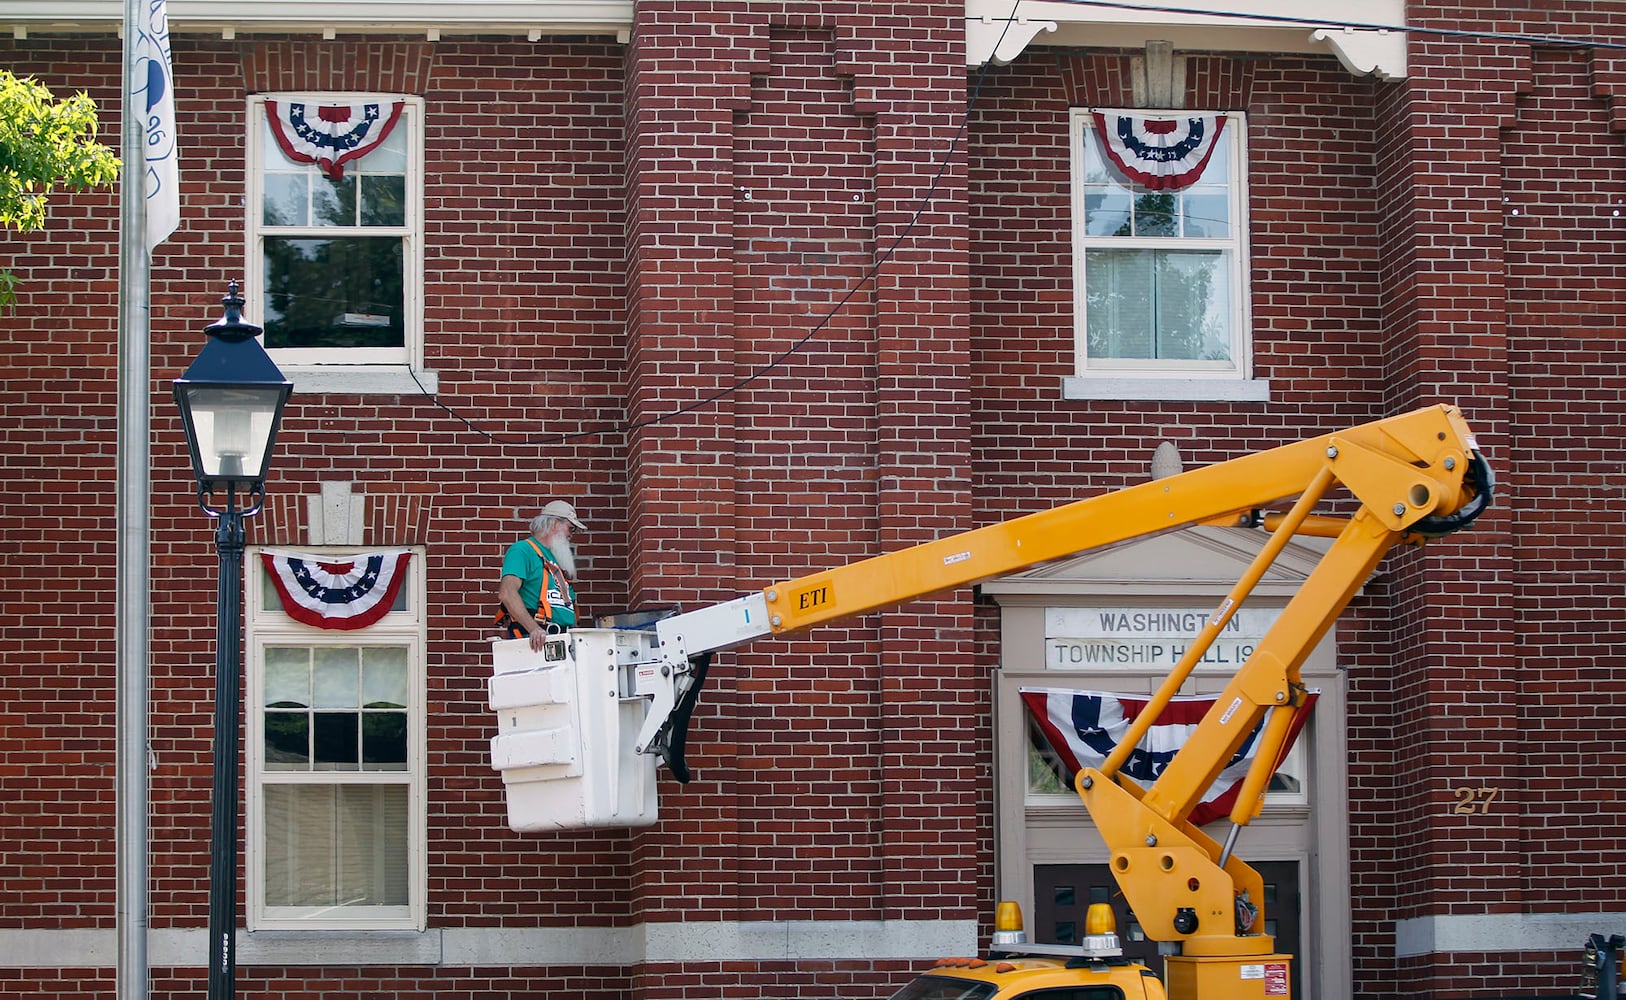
(1160,260)
(335,258)
(336,764)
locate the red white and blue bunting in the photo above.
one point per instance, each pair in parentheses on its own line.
(336,592)
(1084,727)
(309,130)
(1159,151)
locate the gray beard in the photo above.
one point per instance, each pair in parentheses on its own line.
(564,554)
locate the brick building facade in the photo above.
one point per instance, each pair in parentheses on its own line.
(764,287)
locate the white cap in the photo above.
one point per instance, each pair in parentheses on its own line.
(564,512)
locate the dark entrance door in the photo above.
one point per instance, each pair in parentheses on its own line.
(1061,894)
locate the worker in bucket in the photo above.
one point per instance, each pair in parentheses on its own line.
(537,591)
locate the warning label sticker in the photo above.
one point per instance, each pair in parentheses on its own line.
(1253,972)
(1276,979)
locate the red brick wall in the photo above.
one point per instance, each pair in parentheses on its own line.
(1453,678)
(688,75)
(1565,177)
(616,233)
(807,715)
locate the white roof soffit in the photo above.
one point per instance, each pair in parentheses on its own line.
(530,18)
(1312,27)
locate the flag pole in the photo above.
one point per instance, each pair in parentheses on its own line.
(132,525)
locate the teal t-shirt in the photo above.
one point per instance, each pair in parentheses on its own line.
(523,562)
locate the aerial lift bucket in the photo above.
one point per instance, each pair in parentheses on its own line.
(566,726)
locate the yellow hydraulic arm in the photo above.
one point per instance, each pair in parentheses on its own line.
(1409,477)
(1403,470)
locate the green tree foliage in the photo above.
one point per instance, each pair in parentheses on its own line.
(44,142)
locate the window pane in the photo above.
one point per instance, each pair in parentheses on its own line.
(1218,169)
(287,741)
(372,862)
(1193,294)
(1118,303)
(271,155)
(944,988)
(286,199)
(384,677)
(383,200)
(1106,212)
(299,845)
(1155,214)
(1047,775)
(337,746)
(1207,215)
(1096,168)
(332,845)
(341,292)
(390,156)
(337,676)
(287,677)
(333,203)
(383,741)
(1151,305)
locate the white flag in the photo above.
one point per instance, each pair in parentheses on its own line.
(152,95)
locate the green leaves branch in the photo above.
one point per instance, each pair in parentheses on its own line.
(44,142)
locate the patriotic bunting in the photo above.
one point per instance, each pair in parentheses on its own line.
(330,135)
(336,592)
(1083,727)
(1162,152)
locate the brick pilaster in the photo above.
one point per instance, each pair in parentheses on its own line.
(1455,683)
(685,85)
(931,691)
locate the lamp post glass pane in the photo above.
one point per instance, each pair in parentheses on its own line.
(234,425)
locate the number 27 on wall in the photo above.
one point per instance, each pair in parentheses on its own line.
(1472,801)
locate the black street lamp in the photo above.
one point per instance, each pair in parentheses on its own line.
(231,401)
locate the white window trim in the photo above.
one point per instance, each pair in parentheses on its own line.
(1129,379)
(408,628)
(354,370)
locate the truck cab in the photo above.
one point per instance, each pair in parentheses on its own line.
(1032,978)
(1094,970)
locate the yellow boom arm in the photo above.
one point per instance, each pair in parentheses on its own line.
(1408,477)
(1402,469)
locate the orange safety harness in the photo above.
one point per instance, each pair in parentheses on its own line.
(544,609)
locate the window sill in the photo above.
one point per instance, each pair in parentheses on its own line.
(338,947)
(390,380)
(1201,390)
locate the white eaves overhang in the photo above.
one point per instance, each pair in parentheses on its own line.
(992,34)
(1290,26)
(228,18)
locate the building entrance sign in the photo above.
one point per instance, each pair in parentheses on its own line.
(1145,638)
